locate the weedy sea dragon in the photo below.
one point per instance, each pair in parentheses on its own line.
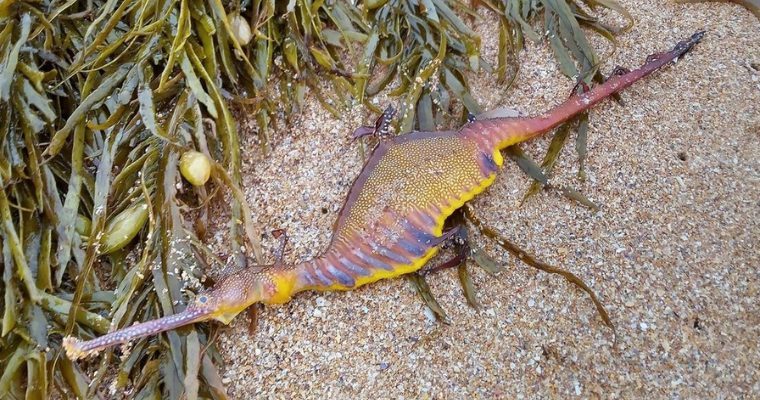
(392,222)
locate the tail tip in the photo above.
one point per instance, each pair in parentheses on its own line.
(684,46)
(697,36)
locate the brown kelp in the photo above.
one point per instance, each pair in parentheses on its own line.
(99,101)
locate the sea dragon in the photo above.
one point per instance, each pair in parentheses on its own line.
(392,222)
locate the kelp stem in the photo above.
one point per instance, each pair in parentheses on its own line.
(60,306)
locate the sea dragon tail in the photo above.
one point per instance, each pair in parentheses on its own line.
(499,133)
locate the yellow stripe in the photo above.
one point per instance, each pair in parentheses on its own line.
(497,158)
(447,211)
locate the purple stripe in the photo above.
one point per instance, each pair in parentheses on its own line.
(356,268)
(418,234)
(413,248)
(323,276)
(488,164)
(385,252)
(373,262)
(342,277)
(309,275)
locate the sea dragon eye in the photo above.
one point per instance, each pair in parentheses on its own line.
(202,299)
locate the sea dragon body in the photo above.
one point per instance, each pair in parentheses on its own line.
(392,221)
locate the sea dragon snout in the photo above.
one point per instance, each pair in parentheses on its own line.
(223,302)
(76,348)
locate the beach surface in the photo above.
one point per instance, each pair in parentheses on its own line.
(672,253)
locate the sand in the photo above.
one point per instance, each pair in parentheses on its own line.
(672,252)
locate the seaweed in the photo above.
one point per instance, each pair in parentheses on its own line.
(99,100)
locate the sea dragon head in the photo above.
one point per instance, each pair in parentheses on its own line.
(222,302)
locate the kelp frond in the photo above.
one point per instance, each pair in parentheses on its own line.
(97,106)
